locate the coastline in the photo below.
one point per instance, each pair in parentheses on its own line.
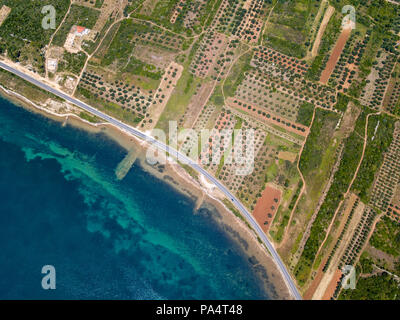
(178,178)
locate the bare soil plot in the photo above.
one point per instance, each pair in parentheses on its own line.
(196,104)
(153,55)
(212,152)
(286,155)
(332,285)
(4,12)
(314,285)
(267,206)
(334,57)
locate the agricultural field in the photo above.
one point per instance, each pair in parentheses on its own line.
(120,52)
(254,91)
(242,18)
(180,16)
(389,174)
(348,160)
(270,61)
(130,97)
(290,26)
(380,136)
(209,52)
(392,98)
(378,80)
(346,69)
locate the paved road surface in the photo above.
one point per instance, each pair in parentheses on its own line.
(176,154)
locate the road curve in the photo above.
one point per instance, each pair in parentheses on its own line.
(176,154)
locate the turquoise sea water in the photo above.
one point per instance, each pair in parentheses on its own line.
(133,239)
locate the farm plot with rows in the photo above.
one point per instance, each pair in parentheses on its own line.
(212,153)
(346,68)
(270,168)
(119,94)
(267,206)
(210,51)
(180,16)
(167,85)
(360,235)
(265,116)
(278,64)
(389,174)
(232,170)
(206,120)
(254,91)
(378,80)
(319,95)
(242,18)
(191,14)
(392,99)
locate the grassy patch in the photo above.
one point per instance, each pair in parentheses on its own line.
(341,180)
(377,287)
(305,114)
(380,134)
(110,108)
(386,237)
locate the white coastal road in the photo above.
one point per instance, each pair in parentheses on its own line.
(176,154)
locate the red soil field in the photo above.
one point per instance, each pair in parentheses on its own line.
(267,204)
(333,59)
(317,280)
(332,285)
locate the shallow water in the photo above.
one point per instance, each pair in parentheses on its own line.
(61,205)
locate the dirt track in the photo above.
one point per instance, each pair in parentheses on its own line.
(328,14)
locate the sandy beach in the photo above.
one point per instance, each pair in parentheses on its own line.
(207,200)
